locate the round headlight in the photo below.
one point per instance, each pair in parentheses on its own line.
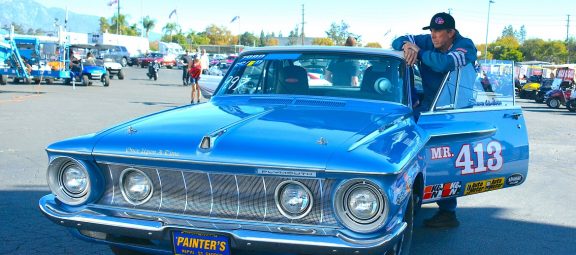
(74,180)
(293,199)
(136,186)
(363,203)
(69,180)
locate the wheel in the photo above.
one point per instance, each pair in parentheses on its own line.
(121,75)
(85,80)
(37,80)
(403,246)
(553,103)
(539,98)
(3,79)
(571,105)
(67,81)
(49,80)
(124,62)
(122,251)
(155,76)
(106,80)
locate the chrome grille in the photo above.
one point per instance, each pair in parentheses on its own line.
(220,195)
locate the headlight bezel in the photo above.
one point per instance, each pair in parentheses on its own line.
(278,192)
(349,219)
(123,188)
(55,175)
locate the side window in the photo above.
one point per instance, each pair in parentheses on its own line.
(491,85)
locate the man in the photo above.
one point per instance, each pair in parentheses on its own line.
(186,60)
(343,72)
(204,61)
(436,54)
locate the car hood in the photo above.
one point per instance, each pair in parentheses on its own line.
(263,135)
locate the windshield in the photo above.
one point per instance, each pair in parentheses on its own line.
(343,75)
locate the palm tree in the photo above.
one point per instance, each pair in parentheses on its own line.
(119,23)
(148,23)
(170,28)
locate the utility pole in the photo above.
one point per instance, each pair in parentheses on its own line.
(490,2)
(303,24)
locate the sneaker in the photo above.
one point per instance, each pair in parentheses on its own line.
(442,219)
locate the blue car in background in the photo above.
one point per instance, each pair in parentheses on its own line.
(292,156)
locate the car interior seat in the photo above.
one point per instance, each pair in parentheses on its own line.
(292,80)
(377,82)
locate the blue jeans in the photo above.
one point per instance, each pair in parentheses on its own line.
(447,204)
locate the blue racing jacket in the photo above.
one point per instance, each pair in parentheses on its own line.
(434,64)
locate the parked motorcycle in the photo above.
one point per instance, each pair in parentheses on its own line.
(546,86)
(153,69)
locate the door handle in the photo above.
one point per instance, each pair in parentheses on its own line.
(513,115)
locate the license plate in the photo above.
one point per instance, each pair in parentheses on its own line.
(192,243)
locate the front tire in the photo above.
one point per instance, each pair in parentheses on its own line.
(85,80)
(553,103)
(405,242)
(121,75)
(106,80)
(155,76)
(571,105)
(124,62)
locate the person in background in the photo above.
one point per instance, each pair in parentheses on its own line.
(342,72)
(436,54)
(186,60)
(204,61)
(194,72)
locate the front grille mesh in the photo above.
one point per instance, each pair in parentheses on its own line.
(219,195)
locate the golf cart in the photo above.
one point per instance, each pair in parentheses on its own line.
(112,66)
(87,69)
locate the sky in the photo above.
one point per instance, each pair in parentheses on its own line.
(375,20)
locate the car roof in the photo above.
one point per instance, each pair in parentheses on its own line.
(323,49)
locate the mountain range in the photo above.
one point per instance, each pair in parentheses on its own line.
(32,14)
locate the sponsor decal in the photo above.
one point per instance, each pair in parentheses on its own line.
(492,102)
(441,152)
(200,244)
(285,172)
(484,186)
(514,179)
(438,191)
(253,57)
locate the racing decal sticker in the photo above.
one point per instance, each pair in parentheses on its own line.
(484,186)
(493,161)
(438,191)
(441,152)
(250,62)
(515,179)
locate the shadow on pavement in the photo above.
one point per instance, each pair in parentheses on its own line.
(25,230)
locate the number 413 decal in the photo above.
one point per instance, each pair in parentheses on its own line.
(493,162)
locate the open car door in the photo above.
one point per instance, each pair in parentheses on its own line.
(479,140)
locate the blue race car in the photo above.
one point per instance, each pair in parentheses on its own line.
(313,150)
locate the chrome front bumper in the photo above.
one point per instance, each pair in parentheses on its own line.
(101,221)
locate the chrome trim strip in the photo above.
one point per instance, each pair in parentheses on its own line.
(395,232)
(161,193)
(68,152)
(479,132)
(321,202)
(199,162)
(211,195)
(112,182)
(238,195)
(468,110)
(186,189)
(265,200)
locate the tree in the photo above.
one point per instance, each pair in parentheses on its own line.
(273,42)
(104,25)
(169,29)
(323,41)
(218,35)
(293,36)
(506,48)
(262,39)
(508,31)
(248,39)
(339,33)
(373,45)
(118,24)
(148,24)
(521,35)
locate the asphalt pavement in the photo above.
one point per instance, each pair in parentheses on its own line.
(537,217)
